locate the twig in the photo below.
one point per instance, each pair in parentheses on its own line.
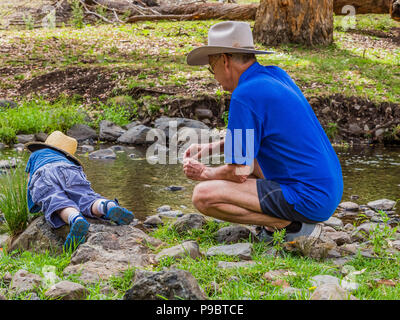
(94,13)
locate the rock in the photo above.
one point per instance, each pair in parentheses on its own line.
(7,277)
(341,261)
(239,264)
(131,125)
(39,237)
(187,248)
(110,131)
(8,104)
(164,208)
(334,223)
(396,244)
(290,291)
(189,222)
(349,206)
(348,227)
(41,136)
(117,148)
(165,123)
(339,237)
(191,135)
(82,132)
(174,188)
(350,248)
(19,147)
(355,129)
(324,279)
(278,274)
(366,227)
(23,281)
(2,146)
(379,132)
(67,290)
(234,234)
(3,239)
(241,250)
(171,214)
(203,113)
(153,221)
(170,284)
(8,164)
(331,291)
(25,138)
(2,297)
(103,154)
(135,135)
(110,250)
(382,204)
(87,148)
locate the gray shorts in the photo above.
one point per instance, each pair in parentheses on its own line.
(273,203)
(60,185)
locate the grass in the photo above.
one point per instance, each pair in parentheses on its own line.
(38,115)
(355,64)
(231,284)
(13,202)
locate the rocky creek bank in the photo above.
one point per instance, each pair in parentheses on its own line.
(351,120)
(110,250)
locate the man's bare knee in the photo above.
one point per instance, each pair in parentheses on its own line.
(203,197)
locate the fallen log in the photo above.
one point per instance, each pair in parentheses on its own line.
(205,11)
(362,6)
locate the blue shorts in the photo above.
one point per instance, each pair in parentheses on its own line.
(60,185)
(273,202)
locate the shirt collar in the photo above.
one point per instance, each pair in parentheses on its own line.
(248,72)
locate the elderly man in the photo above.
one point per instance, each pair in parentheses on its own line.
(280,170)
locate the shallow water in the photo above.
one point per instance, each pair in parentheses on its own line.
(369,173)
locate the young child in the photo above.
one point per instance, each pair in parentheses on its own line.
(59,188)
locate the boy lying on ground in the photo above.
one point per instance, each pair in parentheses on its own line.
(58,187)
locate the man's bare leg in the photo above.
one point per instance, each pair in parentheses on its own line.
(233,202)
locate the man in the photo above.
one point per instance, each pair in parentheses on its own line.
(280,170)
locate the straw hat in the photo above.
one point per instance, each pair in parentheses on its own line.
(225,37)
(57,141)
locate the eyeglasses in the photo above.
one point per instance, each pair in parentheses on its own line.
(212,65)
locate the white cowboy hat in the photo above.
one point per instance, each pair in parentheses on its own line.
(225,37)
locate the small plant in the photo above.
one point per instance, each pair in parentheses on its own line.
(29,21)
(13,202)
(332,130)
(381,236)
(225,117)
(278,240)
(77,14)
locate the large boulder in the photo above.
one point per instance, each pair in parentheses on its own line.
(135,135)
(82,132)
(67,290)
(110,250)
(110,131)
(40,237)
(171,284)
(165,123)
(24,281)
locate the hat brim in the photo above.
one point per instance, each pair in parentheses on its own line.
(35,146)
(199,56)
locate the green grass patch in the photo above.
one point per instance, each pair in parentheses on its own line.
(39,115)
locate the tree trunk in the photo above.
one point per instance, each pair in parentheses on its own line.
(205,11)
(362,6)
(308,22)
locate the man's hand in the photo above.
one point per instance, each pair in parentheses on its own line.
(196,151)
(195,170)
